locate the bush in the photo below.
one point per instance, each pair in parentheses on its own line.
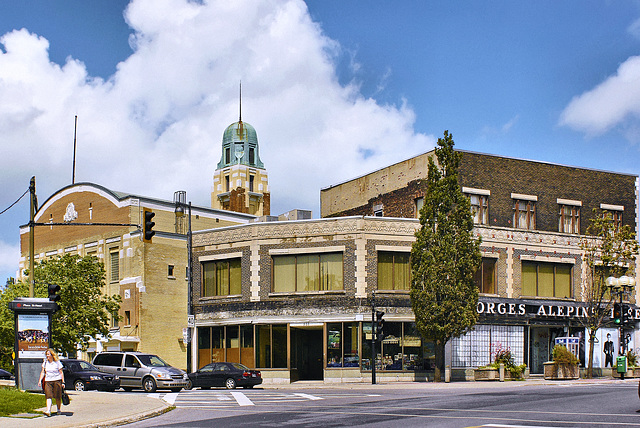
(505,357)
(632,358)
(562,356)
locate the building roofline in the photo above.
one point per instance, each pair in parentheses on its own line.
(120,197)
(483,154)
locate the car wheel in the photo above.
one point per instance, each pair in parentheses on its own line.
(230,383)
(189,385)
(79,385)
(149,385)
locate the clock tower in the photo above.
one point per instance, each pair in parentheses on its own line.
(240,181)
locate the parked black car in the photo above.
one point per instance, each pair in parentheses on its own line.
(228,375)
(5,375)
(81,376)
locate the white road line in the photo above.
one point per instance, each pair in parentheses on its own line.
(242,399)
(310,397)
(170,398)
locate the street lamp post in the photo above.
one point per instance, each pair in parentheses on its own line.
(621,286)
(179,199)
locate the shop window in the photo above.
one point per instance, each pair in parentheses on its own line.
(342,345)
(546,279)
(485,276)
(524,214)
(394,271)
(221,277)
(569,219)
(233,344)
(230,343)
(246,346)
(307,272)
(271,346)
(401,350)
(478,347)
(114,266)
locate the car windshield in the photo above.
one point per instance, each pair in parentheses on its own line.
(152,361)
(87,367)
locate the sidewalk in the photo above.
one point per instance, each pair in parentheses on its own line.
(102,409)
(95,409)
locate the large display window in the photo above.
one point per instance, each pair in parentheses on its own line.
(402,348)
(342,345)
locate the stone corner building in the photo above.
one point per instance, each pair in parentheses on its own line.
(293,298)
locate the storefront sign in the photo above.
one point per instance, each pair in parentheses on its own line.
(556,311)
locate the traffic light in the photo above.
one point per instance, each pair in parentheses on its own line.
(147,227)
(53,290)
(379,326)
(617,316)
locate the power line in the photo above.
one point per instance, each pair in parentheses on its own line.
(10,206)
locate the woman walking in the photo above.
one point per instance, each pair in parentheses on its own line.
(52,379)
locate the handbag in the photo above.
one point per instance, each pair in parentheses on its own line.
(65,398)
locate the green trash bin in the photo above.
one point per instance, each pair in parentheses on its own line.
(621,364)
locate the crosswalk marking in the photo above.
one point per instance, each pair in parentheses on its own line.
(310,397)
(242,399)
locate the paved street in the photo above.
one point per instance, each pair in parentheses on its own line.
(597,404)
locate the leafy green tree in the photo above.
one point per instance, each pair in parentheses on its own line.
(608,251)
(444,256)
(84,310)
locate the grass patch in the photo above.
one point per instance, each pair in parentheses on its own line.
(14,401)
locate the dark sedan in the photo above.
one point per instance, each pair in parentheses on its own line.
(5,375)
(81,376)
(228,375)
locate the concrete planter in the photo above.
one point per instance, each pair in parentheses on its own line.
(488,373)
(632,372)
(561,371)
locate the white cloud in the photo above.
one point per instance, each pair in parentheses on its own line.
(615,102)
(9,256)
(156,125)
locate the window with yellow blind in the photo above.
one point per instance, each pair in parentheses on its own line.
(546,279)
(221,278)
(394,271)
(307,272)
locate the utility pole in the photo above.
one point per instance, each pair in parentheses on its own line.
(32,215)
(373,338)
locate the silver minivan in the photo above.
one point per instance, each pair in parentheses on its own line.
(139,370)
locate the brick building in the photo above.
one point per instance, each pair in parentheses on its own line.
(149,277)
(293,298)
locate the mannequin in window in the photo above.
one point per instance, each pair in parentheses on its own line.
(608,351)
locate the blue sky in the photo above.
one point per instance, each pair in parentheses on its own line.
(334,89)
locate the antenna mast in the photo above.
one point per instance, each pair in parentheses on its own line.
(75,130)
(241,101)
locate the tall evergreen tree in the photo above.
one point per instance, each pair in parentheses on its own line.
(444,256)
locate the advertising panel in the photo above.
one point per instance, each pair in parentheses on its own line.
(33,335)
